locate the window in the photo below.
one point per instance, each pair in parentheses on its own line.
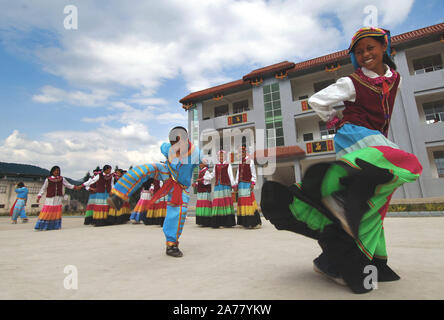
(2,206)
(427,64)
(318,86)
(33,190)
(308,136)
(3,189)
(240,106)
(221,111)
(434,111)
(195,127)
(439,161)
(273,115)
(326,133)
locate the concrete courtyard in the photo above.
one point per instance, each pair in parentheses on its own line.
(129,262)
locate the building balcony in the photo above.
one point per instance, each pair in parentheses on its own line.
(426,81)
(228,121)
(317,147)
(433,132)
(303,109)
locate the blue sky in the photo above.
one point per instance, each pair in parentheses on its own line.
(108,91)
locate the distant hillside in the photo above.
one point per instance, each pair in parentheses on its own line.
(16,168)
(26,169)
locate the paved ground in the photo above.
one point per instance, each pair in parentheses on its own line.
(128,262)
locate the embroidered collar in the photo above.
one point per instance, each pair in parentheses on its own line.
(369,76)
(55,179)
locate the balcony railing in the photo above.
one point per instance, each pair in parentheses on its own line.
(226,121)
(319,146)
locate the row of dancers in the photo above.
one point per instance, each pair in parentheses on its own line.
(212,209)
(217,209)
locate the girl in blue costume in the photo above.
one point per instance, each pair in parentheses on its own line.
(182,157)
(20,203)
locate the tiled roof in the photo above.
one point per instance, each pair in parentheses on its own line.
(281,66)
(281,152)
(213,90)
(291,67)
(396,40)
(416,34)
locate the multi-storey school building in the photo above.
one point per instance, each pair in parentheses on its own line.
(271,103)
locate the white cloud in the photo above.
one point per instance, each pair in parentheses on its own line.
(51,94)
(170,117)
(77,152)
(149,101)
(124,51)
(141,44)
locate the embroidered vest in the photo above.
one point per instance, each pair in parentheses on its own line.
(55,187)
(201,187)
(104,183)
(156,184)
(222,176)
(94,185)
(244,172)
(372,108)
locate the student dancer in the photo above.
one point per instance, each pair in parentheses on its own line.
(50,217)
(343,204)
(222,212)
(91,200)
(160,208)
(247,210)
(122,215)
(141,208)
(104,181)
(154,213)
(18,208)
(182,157)
(203,204)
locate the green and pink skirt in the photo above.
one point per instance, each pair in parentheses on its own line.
(404,168)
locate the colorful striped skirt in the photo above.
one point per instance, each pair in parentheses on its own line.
(350,177)
(50,217)
(90,209)
(100,210)
(222,211)
(120,216)
(351,137)
(247,210)
(140,210)
(203,209)
(155,215)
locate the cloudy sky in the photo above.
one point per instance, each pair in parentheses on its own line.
(108,91)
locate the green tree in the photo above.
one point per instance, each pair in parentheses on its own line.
(87,177)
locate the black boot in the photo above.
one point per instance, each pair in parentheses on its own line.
(340,248)
(325,267)
(174,251)
(385,273)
